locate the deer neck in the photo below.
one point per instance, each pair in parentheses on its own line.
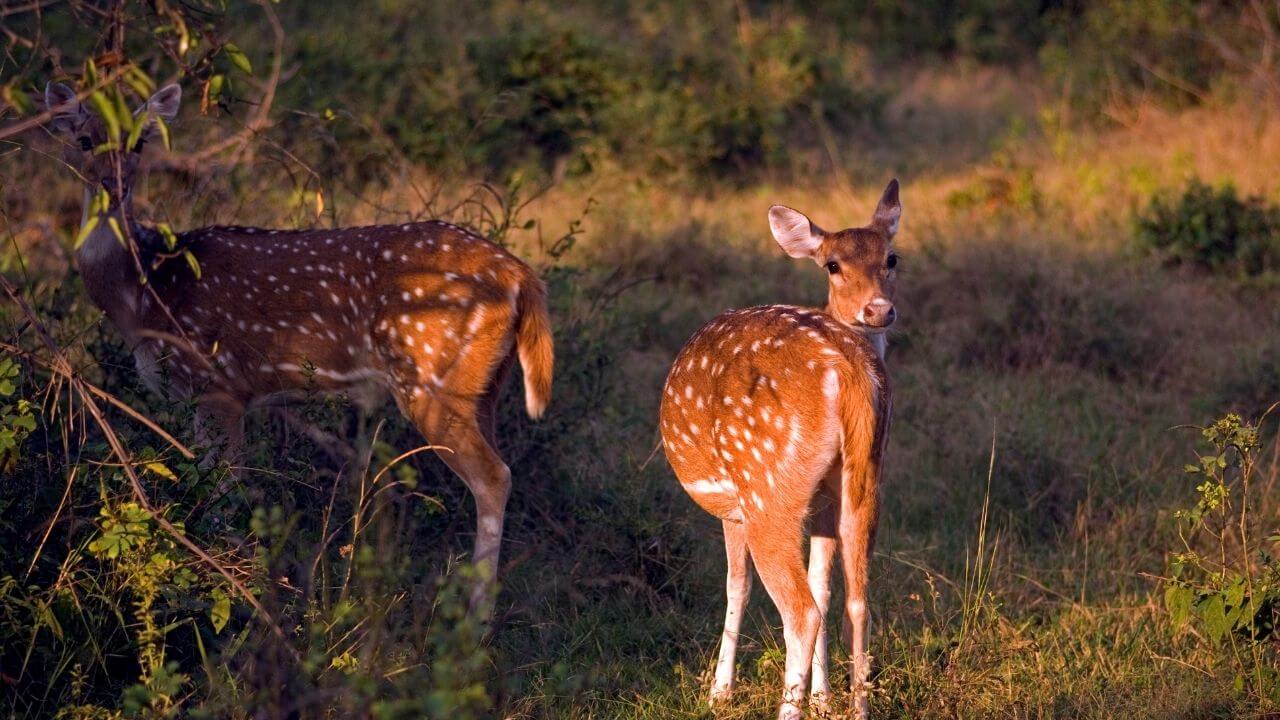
(107,268)
(879,340)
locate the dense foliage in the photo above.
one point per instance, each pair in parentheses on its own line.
(726,90)
(1214,229)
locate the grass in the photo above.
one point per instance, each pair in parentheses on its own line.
(1039,363)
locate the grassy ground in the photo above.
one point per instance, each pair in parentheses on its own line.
(1040,370)
(1041,365)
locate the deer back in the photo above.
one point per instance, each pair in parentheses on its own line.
(416,306)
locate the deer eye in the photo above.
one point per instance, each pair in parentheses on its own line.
(85,143)
(833,267)
(892,261)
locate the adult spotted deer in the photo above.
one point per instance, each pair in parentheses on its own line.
(432,313)
(772,415)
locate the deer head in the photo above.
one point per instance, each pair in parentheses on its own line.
(106,162)
(860,262)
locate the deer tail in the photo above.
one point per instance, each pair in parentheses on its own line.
(865,407)
(534,346)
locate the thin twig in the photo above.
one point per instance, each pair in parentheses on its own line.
(117,448)
(116,402)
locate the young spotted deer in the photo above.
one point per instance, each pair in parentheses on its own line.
(428,311)
(777,414)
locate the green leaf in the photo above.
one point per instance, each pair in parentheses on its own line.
(346,663)
(89,226)
(170,239)
(160,469)
(163,127)
(215,86)
(107,111)
(193,262)
(1234,594)
(136,132)
(24,422)
(101,202)
(17,98)
(219,609)
(238,58)
(139,81)
(114,224)
(124,113)
(1213,613)
(1177,599)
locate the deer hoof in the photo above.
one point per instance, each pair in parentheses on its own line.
(720,695)
(790,711)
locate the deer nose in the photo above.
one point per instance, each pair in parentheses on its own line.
(879,313)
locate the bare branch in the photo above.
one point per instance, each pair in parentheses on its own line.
(195,163)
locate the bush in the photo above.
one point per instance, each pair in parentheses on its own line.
(548,88)
(759,103)
(1225,579)
(1214,229)
(532,90)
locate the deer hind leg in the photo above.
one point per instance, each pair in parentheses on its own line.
(822,555)
(775,543)
(219,427)
(858,518)
(467,451)
(737,591)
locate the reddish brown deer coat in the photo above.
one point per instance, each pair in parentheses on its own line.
(422,308)
(747,407)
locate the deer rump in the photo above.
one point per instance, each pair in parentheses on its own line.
(762,403)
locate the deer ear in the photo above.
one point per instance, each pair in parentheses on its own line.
(164,103)
(889,212)
(68,113)
(799,237)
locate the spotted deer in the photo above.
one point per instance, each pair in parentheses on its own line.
(428,311)
(777,414)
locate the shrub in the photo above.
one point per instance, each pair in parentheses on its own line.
(548,88)
(527,89)
(1225,579)
(1175,53)
(1214,229)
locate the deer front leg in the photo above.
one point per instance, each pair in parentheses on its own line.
(737,591)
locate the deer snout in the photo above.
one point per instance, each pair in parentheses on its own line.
(879,313)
